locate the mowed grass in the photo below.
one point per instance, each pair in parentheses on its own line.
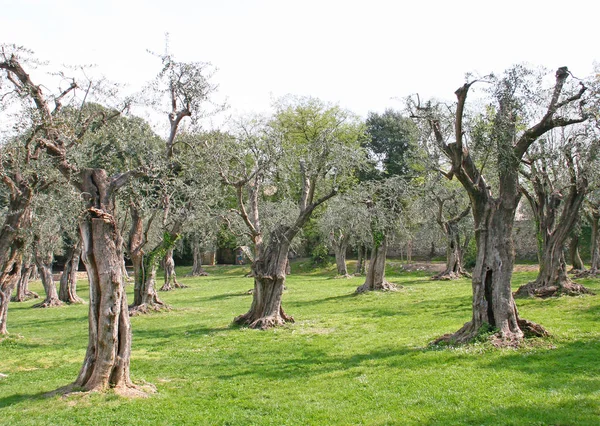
(347,360)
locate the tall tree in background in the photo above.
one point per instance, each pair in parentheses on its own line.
(517,123)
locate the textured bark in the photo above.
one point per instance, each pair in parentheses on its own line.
(171,282)
(44,260)
(360,260)
(553,232)
(454,251)
(68,280)
(576,260)
(23,293)
(269,282)
(12,243)
(594,271)
(339,242)
(145,297)
(375,279)
(197,270)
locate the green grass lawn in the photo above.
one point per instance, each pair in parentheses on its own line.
(347,359)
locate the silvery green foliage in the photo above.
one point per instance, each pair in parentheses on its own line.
(346,215)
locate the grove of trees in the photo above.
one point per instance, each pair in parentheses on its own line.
(85,177)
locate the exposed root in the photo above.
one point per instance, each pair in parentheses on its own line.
(384,286)
(126,391)
(338,277)
(533,289)
(201,273)
(264,323)
(170,287)
(448,276)
(587,274)
(146,308)
(28,295)
(470,334)
(48,303)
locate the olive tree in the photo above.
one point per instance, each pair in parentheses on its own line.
(516,121)
(300,156)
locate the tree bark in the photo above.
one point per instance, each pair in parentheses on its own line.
(145,296)
(44,261)
(454,250)
(340,246)
(594,271)
(68,280)
(576,260)
(360,260)
(12,242)
(23,293)
(552,279)
(171,282)
(375,279)
(269,282)
(197,270)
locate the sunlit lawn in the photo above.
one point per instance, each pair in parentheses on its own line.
(347,359)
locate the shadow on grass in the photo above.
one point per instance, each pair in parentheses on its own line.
(297,303)
(224,296)
(17,398)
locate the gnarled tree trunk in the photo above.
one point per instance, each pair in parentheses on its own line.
(360,260)
(454,250)
(197,270)
(375,280)
(171,282)
(145,297)
(23,293)
(44,260)
(594,218)
(340,246)
(269,270)
(68,280)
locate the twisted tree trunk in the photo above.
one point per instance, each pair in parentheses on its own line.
(269,269)
(360,260)
(23,293)
(12,241)
(340,246)
(171,282)
(145,297)
(68,280)
(375,280)
(454,250)
(44,260)
(197,270)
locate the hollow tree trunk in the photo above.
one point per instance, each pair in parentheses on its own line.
(375,280)
(171,282)
(493,304)
(269,282)
(145,296)
(44,265)
(68,280)
(23,293)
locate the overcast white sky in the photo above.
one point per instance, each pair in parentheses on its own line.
(360,54)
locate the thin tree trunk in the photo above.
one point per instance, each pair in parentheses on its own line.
(454,256)
(576,262)
(375,280)
(360,260)
(44,265)
(594,270)
(23,293)
(68,280)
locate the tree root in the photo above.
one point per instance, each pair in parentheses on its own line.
(201,273)
(28,295)
(587,274)
(169,287)
(339,277)
(450,275)
(384,286)
(264,323)
(533,289)
(470,334)
(48,303)
(127,391)
(146,308)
